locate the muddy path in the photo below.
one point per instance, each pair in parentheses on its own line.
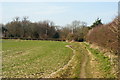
(83,66)
(85,61)
(88,65)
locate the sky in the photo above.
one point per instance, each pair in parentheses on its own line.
(61,13)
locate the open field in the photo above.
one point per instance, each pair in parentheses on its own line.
(60,40)
(33,58)
(53,59)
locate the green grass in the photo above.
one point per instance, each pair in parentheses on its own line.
(28,58)
(37,59)
(73,69)
(105,65)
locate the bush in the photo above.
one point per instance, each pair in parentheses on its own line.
(105,36)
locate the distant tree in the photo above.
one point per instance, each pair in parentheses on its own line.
(78,30)
(3,30)
(56,35)
(96,23)
(16,19)
(25,27)
(64,32)
(74,25)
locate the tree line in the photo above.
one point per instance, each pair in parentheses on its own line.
(104,35)
(44,30)
(26,29)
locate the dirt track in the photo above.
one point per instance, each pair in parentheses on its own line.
(83,66)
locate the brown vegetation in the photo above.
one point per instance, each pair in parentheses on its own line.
(105,36)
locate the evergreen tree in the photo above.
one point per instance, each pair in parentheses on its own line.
(96,23)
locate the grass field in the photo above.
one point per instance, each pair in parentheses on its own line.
(53,59)
(34,59)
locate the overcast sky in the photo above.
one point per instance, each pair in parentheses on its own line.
(61,13)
